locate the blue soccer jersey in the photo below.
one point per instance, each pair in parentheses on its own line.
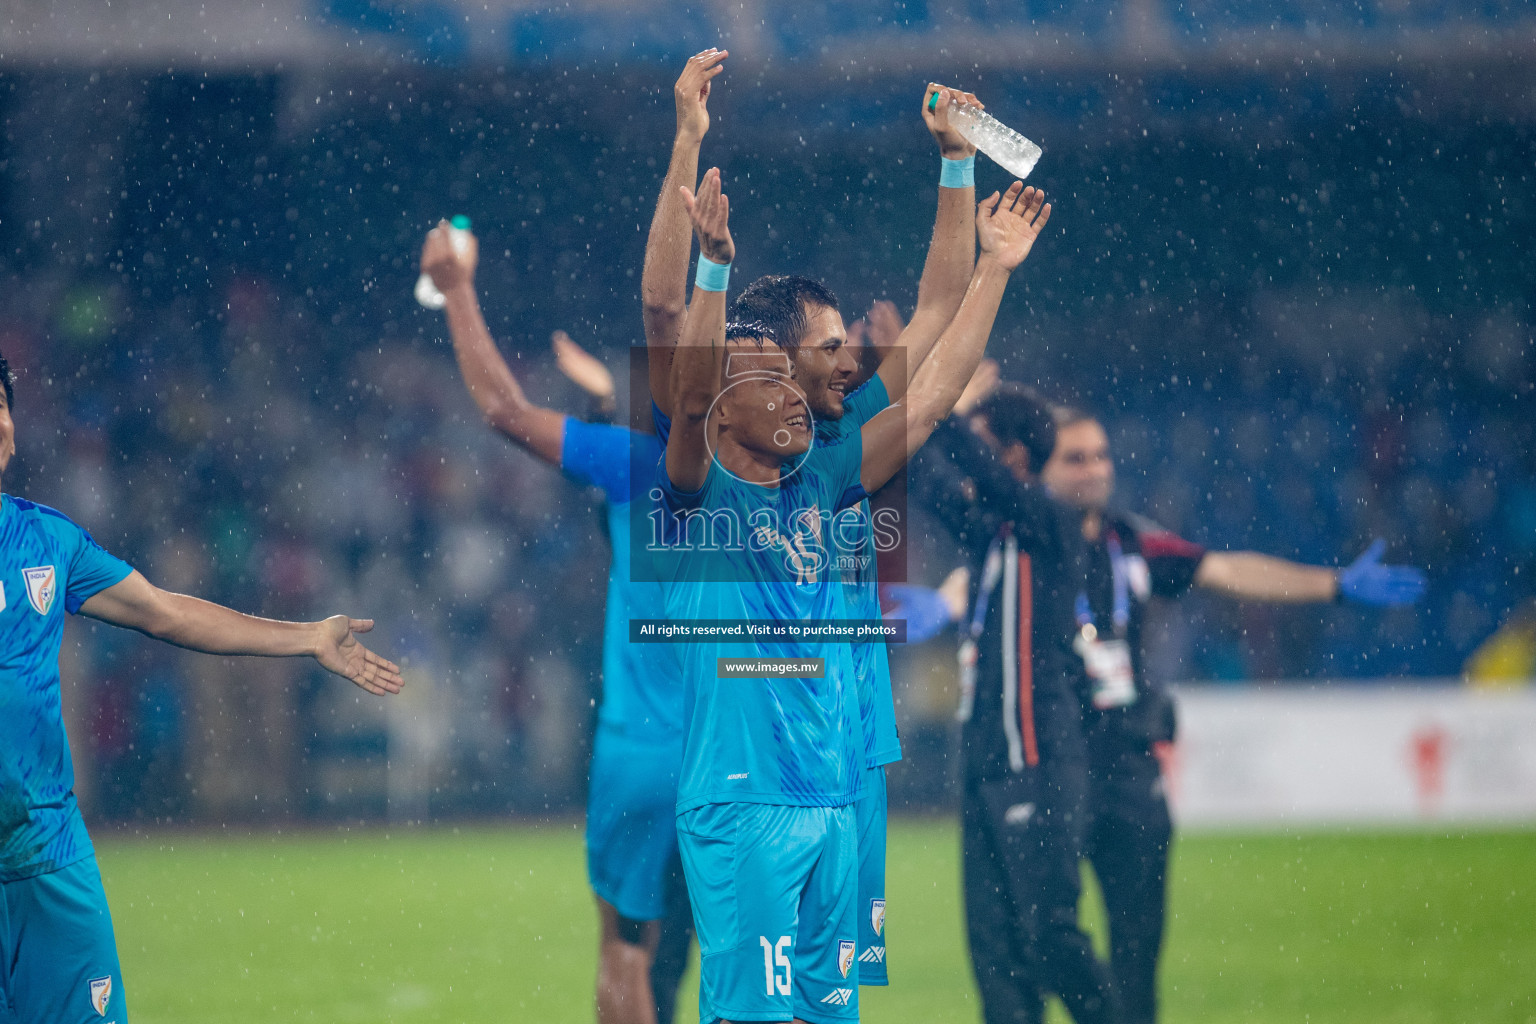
(642,694)
(854,534)
(48,567)
(740,551)
(854,554)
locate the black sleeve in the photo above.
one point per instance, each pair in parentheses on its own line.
(940,483)
(1038,519)
(1172,561)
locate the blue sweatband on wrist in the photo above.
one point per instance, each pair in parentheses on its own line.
(958,173)
(712,276)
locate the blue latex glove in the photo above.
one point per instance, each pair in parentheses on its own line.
(1367,581)
(926,611)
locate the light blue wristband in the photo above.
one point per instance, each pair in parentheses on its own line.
(712,276)
(958,173)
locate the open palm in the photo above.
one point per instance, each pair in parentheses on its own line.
(1007,225)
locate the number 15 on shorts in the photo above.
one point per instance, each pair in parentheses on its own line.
(775,956)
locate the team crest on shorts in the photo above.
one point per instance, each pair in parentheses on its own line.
(101,994)
(42,585)
(845,956)
(877,916)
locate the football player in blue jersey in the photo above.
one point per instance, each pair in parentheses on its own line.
(631,827)
(58,957)
(774,752)
(804,316)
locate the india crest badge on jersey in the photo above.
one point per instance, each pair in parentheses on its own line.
(101,994)
(877,916)
(845,956)
(42,585)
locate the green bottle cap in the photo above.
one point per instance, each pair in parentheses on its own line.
(460,221)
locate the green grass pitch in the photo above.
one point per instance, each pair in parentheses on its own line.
(495,923)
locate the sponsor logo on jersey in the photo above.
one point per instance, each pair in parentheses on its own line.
(838,996)
(2,596)
(877,916)
(873,955)
(42,585)
(1018,814)
(845,956)
(101,993)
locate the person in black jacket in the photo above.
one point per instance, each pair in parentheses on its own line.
(1130,721)
(1025,756)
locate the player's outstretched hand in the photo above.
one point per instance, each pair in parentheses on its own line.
(338,651)
(1007,225)
(1367,581)
(442,261)
(952,145)
(710,212)
(692,93)
(584,369)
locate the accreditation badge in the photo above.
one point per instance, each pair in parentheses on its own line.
(1109,670)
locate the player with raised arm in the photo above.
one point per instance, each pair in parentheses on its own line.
(664,276)
(1130,719)
(631,831)
(58,956)
(772,762)
(803,317)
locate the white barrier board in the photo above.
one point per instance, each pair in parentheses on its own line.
(1342,754)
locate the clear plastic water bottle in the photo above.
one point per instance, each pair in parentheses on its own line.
(1011,150)
(426,291)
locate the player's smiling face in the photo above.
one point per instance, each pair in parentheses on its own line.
(762,408)
(766,414)
(824,365)
(1079,471)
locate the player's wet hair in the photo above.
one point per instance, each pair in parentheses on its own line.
(781,304)
(1066,416)
(9,381)
(1017,412)
(739,330)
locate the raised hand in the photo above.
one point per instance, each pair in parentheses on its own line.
(952,145)
(585,370)
(980,388)
(443,262)
(1007,225)
(885,325)
(338,651)
(691,93)
(710,212)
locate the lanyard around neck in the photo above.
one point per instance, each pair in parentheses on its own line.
(1121,585)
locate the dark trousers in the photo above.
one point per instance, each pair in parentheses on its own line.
(1021,839)
(1128,841)
(672,950)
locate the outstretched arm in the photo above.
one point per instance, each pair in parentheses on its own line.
(1250,576)
(200,625)
(1007,226)
(489,379)
(664,279)
(700,362)
(951,253)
